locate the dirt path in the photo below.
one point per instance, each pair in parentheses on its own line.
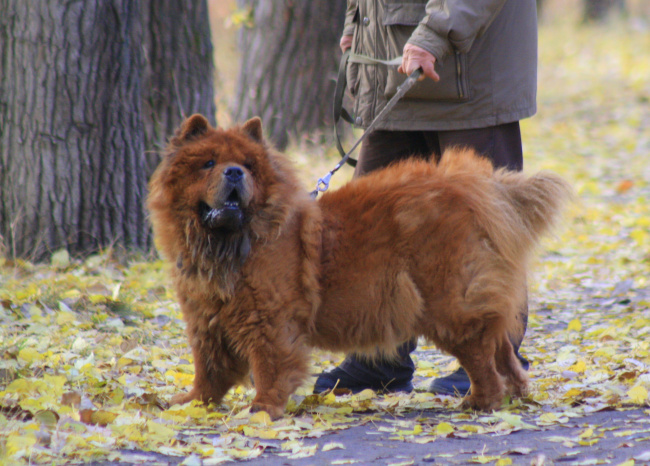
(558,444)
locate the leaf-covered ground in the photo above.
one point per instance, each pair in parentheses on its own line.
(91,352)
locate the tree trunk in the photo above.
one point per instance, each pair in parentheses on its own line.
(289,57)
(71,169)
(179,72)
(72,127)
(598,10)
(540,8)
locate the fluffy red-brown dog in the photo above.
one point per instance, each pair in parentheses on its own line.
(263,272)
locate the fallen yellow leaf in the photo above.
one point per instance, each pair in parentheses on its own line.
(333,446)
(444,428)
(574,326)
(579,367)
(638,394)
(261,418)
(586,433)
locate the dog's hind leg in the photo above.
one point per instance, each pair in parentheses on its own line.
(509,366)
(487,386)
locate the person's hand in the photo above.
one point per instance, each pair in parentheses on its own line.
(415,57)
(345,43)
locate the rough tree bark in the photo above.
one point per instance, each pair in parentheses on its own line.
(179,73)
(71,171)
(72,127)
(289,57)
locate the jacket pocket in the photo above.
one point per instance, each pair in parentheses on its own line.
(400,20)
(352,77)
(452,87)
(400,13)
(352,69)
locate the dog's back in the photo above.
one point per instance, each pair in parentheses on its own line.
(439,250)
(514,209)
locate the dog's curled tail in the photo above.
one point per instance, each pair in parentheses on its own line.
(515,209)
(533,204)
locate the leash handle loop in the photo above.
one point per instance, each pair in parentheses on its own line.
(339,112)
(366,60)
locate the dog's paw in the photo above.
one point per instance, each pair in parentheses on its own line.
(181,398)
(519,390)
(480,403)
(275,412)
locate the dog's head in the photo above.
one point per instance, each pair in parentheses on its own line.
(209,175)
(214,190)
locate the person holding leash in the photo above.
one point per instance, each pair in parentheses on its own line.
(479,63)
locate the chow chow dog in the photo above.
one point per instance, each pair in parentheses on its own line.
(263,272)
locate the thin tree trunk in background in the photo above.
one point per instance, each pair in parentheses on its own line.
(289,57)
(179,71)
(599,10)
(71,167)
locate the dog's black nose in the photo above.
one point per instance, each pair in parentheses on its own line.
(233,174)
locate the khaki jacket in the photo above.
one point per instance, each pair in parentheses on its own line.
(486,56)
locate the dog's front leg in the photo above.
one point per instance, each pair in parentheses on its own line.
(279,367)
(216,367)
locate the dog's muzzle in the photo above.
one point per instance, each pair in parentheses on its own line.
(227,213)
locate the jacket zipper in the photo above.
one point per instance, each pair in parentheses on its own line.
(459,77)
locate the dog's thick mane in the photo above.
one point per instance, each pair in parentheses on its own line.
(217,257)
(213,259)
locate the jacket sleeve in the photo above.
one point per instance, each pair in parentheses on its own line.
(454,25)
(348,28)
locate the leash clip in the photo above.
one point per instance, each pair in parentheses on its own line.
(324,183)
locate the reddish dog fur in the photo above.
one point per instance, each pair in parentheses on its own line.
(263,272)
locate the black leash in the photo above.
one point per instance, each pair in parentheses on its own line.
(323,183)
(339,112)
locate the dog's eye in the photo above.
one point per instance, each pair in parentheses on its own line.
(209,164)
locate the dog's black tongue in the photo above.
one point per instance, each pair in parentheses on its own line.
(230,219)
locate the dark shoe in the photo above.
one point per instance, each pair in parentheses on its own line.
(457,384)
(342,380)
(355,374)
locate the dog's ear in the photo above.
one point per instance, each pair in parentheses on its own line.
(192,127)
(253,129)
